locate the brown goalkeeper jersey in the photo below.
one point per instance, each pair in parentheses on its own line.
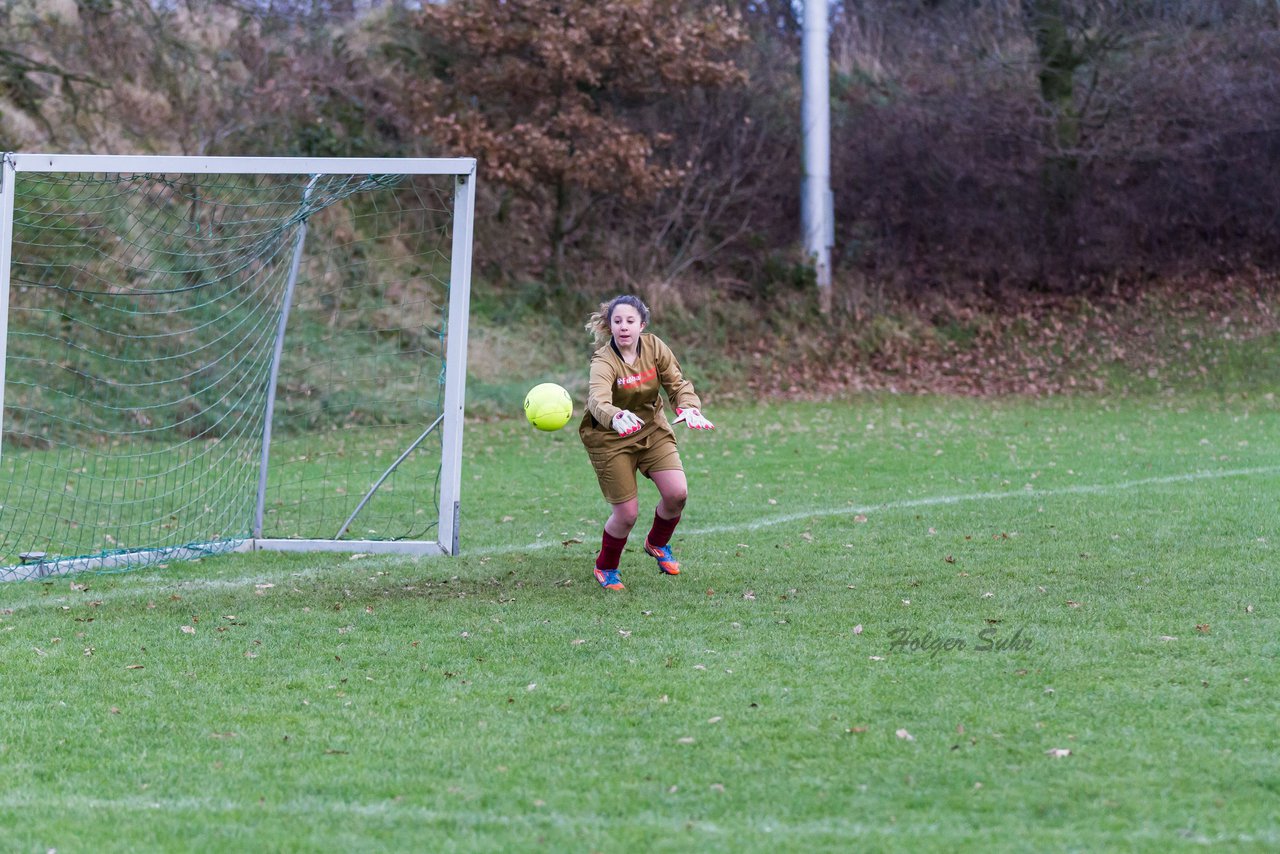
(616,385)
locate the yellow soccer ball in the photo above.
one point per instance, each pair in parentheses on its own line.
(548,406)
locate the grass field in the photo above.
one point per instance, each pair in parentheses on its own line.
(907,624)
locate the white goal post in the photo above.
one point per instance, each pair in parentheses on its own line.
(208,354)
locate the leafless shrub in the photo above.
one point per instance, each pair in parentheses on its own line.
(940,149)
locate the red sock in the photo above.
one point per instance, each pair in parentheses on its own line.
(660,533)
(610,551)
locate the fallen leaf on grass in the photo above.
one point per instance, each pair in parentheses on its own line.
(1071,603)
(1202,628)
(134,666)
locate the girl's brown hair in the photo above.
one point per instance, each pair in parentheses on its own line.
(598,325)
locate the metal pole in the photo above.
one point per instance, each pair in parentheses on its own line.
(270,407)
(455,367)
(818,219)
(386,474)
(8,182)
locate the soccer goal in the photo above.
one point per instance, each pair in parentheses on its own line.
(213,354)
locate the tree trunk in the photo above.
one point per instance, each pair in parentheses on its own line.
(1058,60)
(559,233)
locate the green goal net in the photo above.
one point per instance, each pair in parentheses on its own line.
(229,353)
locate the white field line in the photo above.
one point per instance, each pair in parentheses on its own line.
(389,810)
(930,501)
(941,500)
(384,811)
(173,581)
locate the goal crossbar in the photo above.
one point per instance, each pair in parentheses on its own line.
(189,165)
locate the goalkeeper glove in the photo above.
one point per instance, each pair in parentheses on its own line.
(626,422)
(693,419)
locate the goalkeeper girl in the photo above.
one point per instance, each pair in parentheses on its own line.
(625,431)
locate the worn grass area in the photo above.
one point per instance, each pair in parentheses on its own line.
(910,624)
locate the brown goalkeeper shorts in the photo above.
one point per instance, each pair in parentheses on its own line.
(616,469)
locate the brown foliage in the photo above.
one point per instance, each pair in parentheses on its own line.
(532,87)
(545,95)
